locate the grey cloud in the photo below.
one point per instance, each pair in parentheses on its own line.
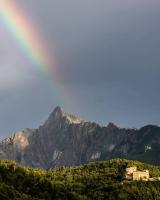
(108,55)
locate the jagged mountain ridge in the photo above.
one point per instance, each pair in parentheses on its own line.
(65,139)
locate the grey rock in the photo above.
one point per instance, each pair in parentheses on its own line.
(65,140)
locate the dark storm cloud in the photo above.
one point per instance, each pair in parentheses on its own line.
(108,54)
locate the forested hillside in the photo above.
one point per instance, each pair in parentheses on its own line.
(99,180)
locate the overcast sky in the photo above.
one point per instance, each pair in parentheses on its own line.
(108,55)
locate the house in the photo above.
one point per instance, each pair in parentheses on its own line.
(130,170)
(133,174)
(141,175)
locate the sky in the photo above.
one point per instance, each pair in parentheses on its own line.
(106,56)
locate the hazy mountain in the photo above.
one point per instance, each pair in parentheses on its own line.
(65,139)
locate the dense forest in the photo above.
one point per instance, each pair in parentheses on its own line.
(98,180)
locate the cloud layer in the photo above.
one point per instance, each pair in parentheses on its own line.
(108,56)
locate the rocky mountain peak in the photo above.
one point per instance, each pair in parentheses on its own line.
(58,112)
(59,115)
(56,115)
(65,139)
(112,126)
(73,119)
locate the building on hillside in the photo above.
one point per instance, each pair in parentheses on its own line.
(141,175)
(133,174)
(130,170)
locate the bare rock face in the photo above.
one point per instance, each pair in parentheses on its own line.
(68,140)
(13,147)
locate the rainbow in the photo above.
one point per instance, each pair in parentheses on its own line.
(23,32)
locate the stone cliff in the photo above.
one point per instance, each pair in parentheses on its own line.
(68,140)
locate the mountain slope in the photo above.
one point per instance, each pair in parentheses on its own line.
(98,180)
(68,140)
(143,145)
